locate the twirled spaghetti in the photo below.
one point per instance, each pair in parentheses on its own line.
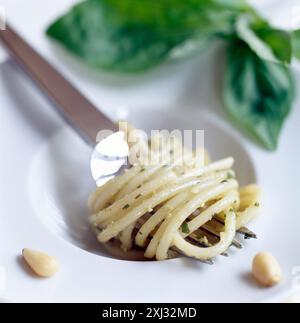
(164,207)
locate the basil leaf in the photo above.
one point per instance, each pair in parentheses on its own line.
(104,36)
(133,35)
(296,43)
(267,42)
(258,94)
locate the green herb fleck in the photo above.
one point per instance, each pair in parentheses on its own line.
(230,174)
(138,196)
(99,229)
(225,181)
(139,186)
(125,207)
(185,228)
(257,204)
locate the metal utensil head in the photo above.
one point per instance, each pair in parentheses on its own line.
(109,158)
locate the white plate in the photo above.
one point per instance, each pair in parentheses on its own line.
(44,186)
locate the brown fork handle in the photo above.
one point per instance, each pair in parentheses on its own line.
(77,110)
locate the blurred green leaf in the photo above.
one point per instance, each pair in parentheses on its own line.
(133,35)
(258,94)
(267,42)
(296,43)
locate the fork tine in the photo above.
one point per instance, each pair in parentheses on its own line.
(214,238)
(248,234)
(207,262)
(208,232)
(244,231)
(235,243)
(141,221)
(202,244)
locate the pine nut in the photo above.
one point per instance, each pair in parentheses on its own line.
(266,269)
(42,264)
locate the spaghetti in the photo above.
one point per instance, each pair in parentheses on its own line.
(162,207)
